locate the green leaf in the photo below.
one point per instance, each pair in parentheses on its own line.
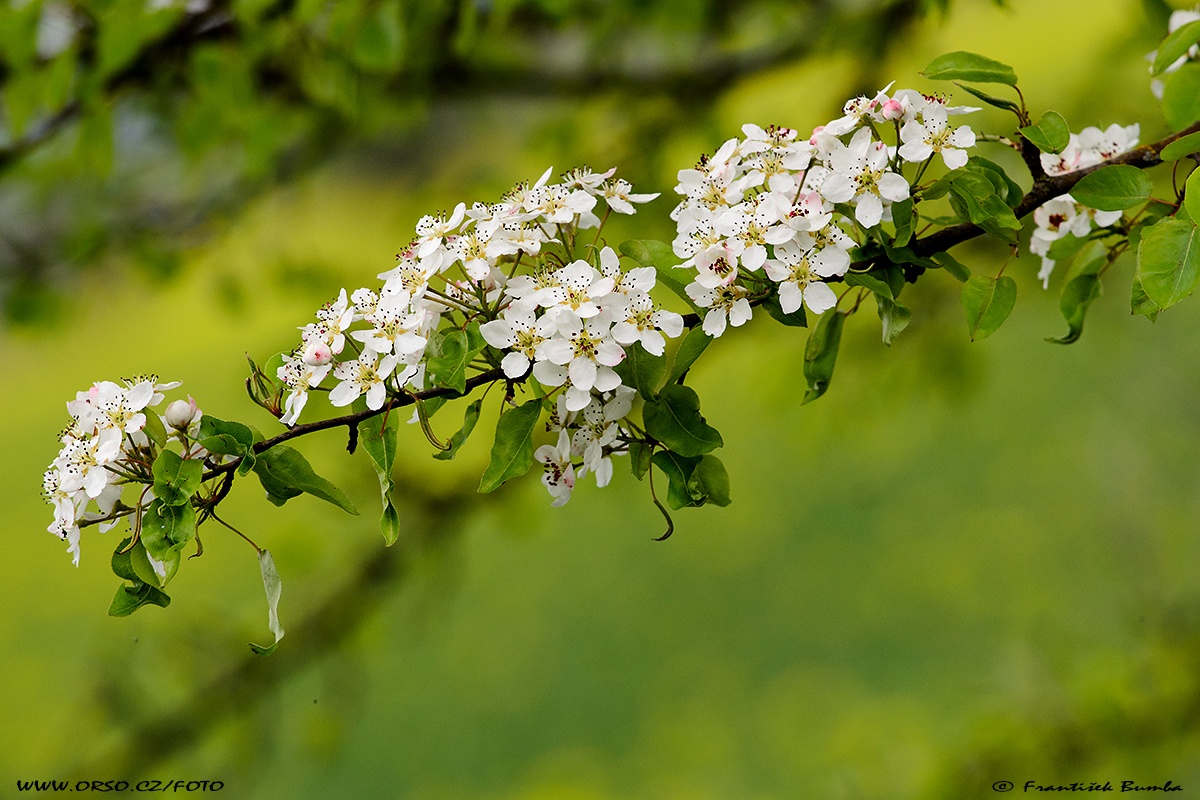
(377,435)
(1175,46)
(1051,134)
(1169,261)
(642,371)
(959,270)
(1079,292)
(639,458)
(651,253)
(710,480)
(1009,190)
(155,429)
(228,438)
(991,100)
(690,349)
(235,436)
(820,354)
(974,196)
(1181,96)
(964,66)
(1113,188)
(674,419)
(120,561)
(458,348)
(1140,302)
(285,473)
(1191,197)
(1181,148)
(988,302)
(273,587)
(679,469)
(904,220)
(874,280)
(512,450)
(470,417)
(796,319)
(130,598)
(139,561)
(378,438)
(894,316)
(1067,246)
(176,479)
(165,530)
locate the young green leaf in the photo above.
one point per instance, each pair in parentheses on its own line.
(674,419)
(820,354)
(651,253)
(458,348)
(285,473)
(1113,188)
(959,270)
(642,371)
(1181,96)
(166,529)
(988,302)
(796,319)
(1175,46)
(679,469)
(991,100)
(154,429)
(639,458)
(1140,302)
(512,450)
(1051,134)
(710,480)
(1181,148)
(176,479)
(130,598)
(972,67)
(904,220)
(378,437)
(1169,261)
(1081,289)
(1191,197)
(690,349)
(274,588)
(895,317)
(470,417)
(1065,247)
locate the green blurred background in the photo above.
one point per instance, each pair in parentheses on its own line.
(966,563)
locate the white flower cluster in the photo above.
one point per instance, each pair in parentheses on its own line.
(1063,215)
(104,442)
(1178,20)
(569,321)
(466,250)
(775,204)
(591,435)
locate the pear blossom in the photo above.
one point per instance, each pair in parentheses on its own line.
(558,475)
(859,175)
(365,375)
(933,134)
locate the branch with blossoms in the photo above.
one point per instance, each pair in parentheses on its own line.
(527,295)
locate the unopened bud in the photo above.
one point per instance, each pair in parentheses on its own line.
(892,110)
(182,413)
(317,354)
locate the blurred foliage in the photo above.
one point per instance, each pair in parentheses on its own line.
(128,125)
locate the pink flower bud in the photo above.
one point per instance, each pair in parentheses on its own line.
(182,413)
(317,354)
(892,110)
